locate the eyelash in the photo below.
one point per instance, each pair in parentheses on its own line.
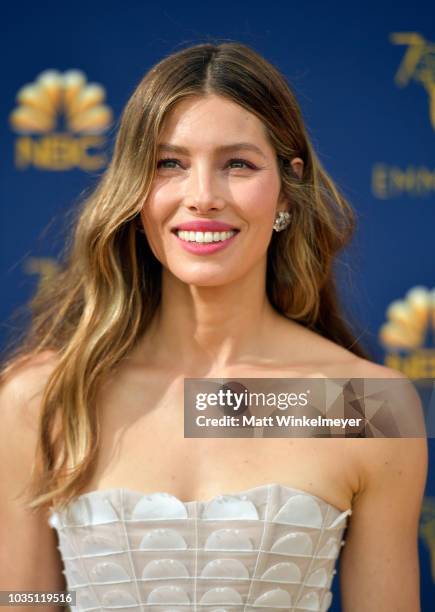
(167,159)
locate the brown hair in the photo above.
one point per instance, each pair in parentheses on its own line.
(108,287)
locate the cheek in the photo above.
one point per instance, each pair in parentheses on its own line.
(152,223)
(258,199)
(155,210)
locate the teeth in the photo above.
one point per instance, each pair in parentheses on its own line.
(191,236)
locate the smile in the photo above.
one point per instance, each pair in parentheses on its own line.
(204,243)
(190,236)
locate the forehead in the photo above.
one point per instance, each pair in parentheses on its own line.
(212,120)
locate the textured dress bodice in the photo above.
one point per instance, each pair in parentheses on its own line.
(268,548)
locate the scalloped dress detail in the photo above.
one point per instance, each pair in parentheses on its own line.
(265,549)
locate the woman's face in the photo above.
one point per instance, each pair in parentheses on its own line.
(204,174)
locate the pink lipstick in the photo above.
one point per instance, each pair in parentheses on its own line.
(204,237)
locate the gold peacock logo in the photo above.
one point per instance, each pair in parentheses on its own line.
(61,119)
(410,328)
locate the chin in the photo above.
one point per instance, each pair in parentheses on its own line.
(203,281)
(202,278)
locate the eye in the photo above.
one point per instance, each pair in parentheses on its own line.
(242,161)
(166,160)
(170,160)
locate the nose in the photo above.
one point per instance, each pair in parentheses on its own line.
(202,190)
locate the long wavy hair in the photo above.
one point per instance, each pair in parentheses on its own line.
(108,286)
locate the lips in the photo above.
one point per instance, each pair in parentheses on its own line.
(205,226)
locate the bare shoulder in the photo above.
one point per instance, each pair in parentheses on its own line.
(21,390)
(402,399)
(363,368)
(28,373)
(393,473)
(28,554)
(318,354)
(400,460)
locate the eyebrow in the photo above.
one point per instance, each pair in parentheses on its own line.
(236,146)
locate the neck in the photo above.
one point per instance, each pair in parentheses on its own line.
(212,327)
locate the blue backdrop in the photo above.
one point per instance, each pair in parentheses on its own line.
(364,75)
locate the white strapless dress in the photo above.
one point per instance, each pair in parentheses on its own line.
(265,549)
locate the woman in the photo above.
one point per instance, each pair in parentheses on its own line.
(211,147)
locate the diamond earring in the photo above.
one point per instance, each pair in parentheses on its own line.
(282,220)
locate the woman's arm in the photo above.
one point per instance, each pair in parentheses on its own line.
(29,558)
(379,566)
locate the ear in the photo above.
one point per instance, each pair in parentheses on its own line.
(297,166)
